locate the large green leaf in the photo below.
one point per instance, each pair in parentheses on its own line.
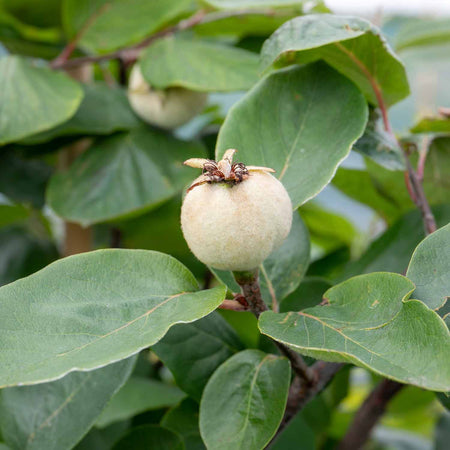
(22,253)
(148,437)
(193,351)
(352,45)
(183,419)
(122,175)
(284,268)
(429,268)
(56,415)
(370,323)
(301,122)
(139,394)
(113,24)
(33,98)
(198,65)
(88,310)
(102,111)
(246,396)
(392,250)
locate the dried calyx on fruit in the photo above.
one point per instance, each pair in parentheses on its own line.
(233,216)
(168,108)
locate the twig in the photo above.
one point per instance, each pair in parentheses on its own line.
(251,291)
(368,414)
(130,54)
(233,305)
(72,45)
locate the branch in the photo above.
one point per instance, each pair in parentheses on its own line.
(368,414)
(300,395)
(251,291)
(130,54)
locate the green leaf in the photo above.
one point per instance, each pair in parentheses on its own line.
(23,180)
(34,98)
(183,419)
(244,4)
(328,229)
(192,352)
(22,253)
(432,125)
(379,145)
(301,122)
(392,250)
(370,323)
(423,32)
(283,270)
(102,111)
(91,309)
(247,396)
(138,395)
(198,65)
(429,268)
(122,175)
(10,214)
(114,24)
(56,415)
(352,45)
(308,294)
(150,437)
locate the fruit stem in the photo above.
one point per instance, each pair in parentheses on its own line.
(249,283)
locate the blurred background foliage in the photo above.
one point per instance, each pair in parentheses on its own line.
(362,222)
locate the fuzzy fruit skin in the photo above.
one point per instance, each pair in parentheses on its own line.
(168,108)
(236,227)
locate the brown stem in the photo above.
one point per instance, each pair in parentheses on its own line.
(130,54)
(249,283)
(368,414)
(300,394)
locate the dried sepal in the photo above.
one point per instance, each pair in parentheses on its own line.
(196,163)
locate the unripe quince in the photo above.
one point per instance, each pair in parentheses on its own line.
(234,216)
(168,108)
